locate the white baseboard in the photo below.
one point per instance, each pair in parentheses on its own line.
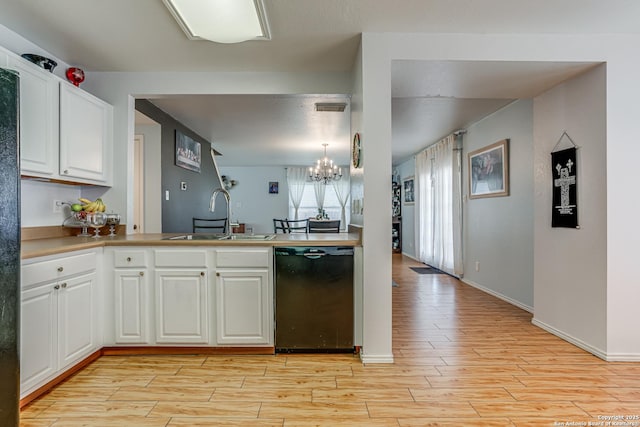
(411,256)
(573,340)
(376,358)
(497,295)
(623,357)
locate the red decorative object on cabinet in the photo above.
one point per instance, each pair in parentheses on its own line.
(75,75)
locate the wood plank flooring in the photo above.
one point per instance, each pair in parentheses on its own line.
(462,358)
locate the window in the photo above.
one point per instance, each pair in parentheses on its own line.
(309,209)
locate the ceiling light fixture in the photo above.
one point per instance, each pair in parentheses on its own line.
(324,170)
(221,21)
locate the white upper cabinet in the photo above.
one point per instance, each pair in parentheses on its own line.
(38,119)
(66,134)
(85,136)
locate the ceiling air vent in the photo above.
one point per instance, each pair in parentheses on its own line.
(335,107)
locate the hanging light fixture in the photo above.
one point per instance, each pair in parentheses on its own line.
(324,170)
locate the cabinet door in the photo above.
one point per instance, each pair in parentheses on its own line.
(85,136)
(76,322)
(243,307)
(38,328)
(131,300)
(181,306)
(38,120)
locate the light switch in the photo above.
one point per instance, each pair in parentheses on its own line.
(183,186)
(166,195)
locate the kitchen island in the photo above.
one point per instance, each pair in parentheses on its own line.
(82,298)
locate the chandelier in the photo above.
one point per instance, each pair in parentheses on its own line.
(324,170)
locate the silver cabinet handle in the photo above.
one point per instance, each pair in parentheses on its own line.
(66,172)
(60,269)
(64,285)
(56,287)
(142,273)
(217,273)
(128,259)
(202,273)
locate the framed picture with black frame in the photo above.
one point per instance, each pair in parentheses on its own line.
(408,190)
(188,152)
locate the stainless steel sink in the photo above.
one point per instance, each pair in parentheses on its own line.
(204,236)
(249,237)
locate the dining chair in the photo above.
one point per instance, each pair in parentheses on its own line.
(324,226)
(280,226)
(298,225)
(290,225)
(209,225)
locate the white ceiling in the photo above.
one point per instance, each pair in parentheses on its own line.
(430,99)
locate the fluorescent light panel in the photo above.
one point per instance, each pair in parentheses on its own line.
(221,21)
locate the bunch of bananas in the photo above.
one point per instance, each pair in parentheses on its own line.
(92,206)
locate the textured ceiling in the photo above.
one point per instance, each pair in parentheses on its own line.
(430,99)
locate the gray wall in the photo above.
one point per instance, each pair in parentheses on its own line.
(498,231)
(571,264)
(182,206)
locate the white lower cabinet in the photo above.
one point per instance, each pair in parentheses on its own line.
(181,306)
(190,296)
(243,307)
(244,296)
(130,303)
(38,335)
(76,323)
(59,318)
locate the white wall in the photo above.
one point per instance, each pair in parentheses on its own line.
(251,202)
(571,264)
(152,137)
(498,231)
(36,202)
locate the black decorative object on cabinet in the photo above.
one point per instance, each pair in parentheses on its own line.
(396,212)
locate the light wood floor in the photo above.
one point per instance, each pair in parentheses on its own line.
(462,358)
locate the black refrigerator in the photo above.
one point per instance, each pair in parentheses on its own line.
(9,248)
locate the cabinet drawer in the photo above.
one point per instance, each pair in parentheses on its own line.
(130,259)
(185,258)
(243,257)
(57,268)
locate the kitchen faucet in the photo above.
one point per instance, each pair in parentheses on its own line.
(212,207)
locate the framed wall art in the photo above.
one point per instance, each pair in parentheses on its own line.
(489,171)
(273,187)
(408,190)
(188,152)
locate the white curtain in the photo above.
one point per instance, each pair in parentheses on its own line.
(438,207)
(342,188)
(296,180)
(319,189)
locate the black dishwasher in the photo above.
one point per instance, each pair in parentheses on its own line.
(314,299)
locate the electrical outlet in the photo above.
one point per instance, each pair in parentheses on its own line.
(57,206)
(477,265)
